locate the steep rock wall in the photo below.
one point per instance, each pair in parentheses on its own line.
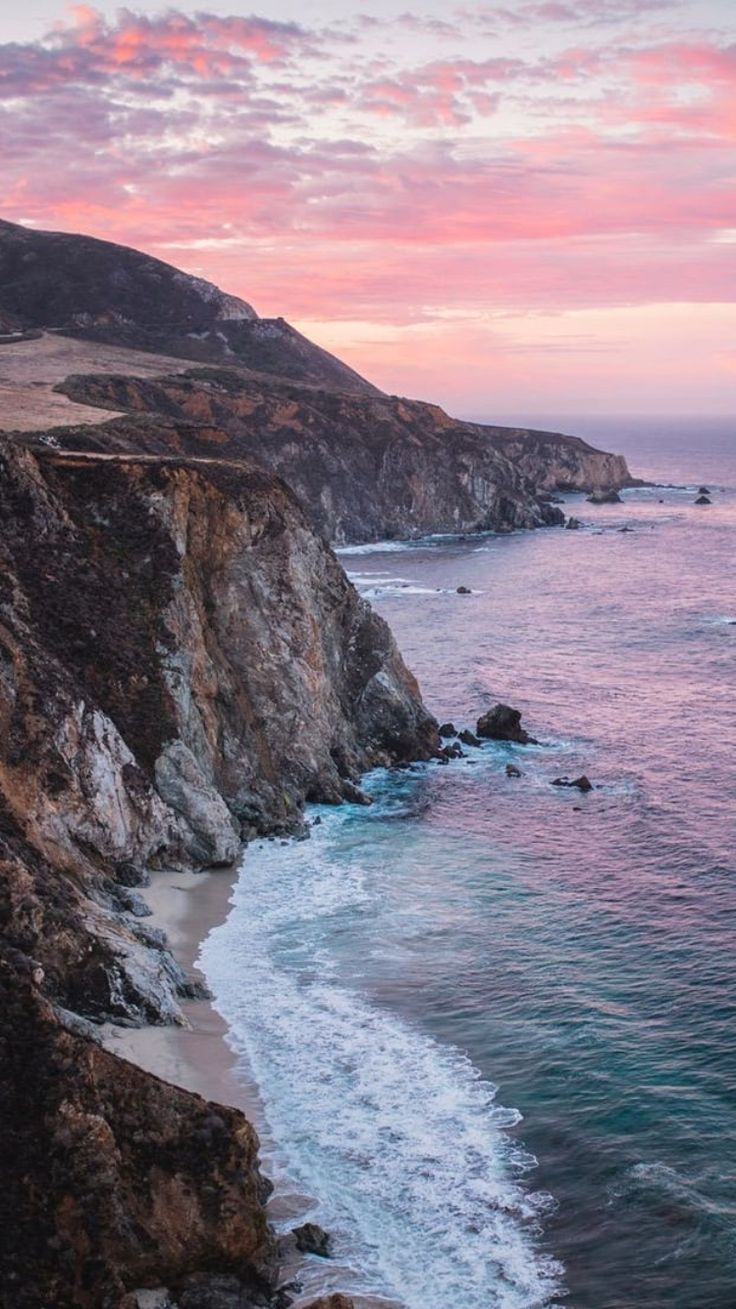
(556,462)
(182,663)
(366,468)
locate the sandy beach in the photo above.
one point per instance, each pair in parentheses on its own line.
(187,906)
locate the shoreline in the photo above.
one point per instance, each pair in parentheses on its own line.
(187,906)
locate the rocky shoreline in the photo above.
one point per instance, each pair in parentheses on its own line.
(182,663)
(183,666)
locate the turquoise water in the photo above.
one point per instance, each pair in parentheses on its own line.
(493,1021)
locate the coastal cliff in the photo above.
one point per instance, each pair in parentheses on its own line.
(182,664)
(556,462)
(366,468)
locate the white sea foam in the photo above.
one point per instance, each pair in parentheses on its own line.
(396,1136)
(374,547)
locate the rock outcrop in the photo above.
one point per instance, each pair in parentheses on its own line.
(554,461)
(113,1179)
(502,723)
(182,663)
(366,468)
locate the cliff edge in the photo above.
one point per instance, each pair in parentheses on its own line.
(182,664)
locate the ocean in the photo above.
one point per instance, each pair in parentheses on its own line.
(493,1021)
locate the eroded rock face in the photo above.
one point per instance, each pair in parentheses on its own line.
(557,462)
(182,663)
(113,1179)
(365,467)
(203,662)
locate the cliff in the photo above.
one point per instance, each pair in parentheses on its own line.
(556,462)
(182,664)
(109,293)
(365,467)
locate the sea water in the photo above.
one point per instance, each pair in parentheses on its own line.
(492,1020)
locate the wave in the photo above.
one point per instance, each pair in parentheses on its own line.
(375,547)
(397,1137)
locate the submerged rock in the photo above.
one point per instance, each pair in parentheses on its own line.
(703,490)
(581,783)
(464,590)
(502,723)
(703,500)
(513,771)
(604,498)
(468,738)
(448,752)
(573,524)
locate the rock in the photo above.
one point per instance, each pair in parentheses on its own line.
(332,1302)
(513,771)
(464,590)
(313,1239)
(85,1126)
(468,738)
(604,498)
(158,1297)
(502,723)
(581,783)
(625,529)
(573,524)
(703,500)
(354,795)
(448,729)
(448,752)
(221,1291)
(703,490)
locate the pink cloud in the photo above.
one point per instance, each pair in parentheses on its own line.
(258,154)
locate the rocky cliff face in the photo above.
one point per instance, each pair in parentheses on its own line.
(109,293)
(182,663)
(555,462)
(367,468)
(112,1179)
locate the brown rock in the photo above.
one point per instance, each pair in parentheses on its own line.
(313,1239)
(332,1302)
(502,723)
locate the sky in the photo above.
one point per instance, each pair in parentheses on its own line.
(518,207)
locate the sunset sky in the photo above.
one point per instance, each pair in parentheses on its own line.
(518,207)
